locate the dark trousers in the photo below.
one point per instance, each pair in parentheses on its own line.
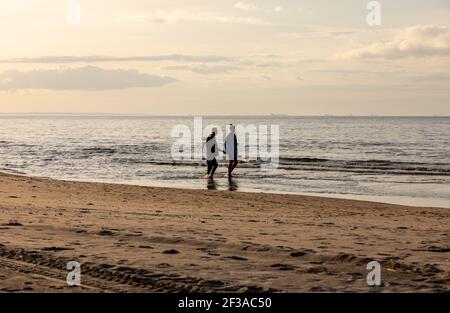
(212,165)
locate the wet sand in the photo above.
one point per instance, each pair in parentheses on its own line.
(148,239)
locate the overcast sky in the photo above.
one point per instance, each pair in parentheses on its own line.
(225,57)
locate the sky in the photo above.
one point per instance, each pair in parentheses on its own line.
(223,57)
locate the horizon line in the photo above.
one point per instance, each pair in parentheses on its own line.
(213,115)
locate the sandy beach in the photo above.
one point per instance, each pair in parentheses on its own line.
(145,239)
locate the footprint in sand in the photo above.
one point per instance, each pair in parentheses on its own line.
(236,258)
(106,232)
(14,223)
(298,253)
(316,270)
(438,249)
(56,249)
(146,247)
(171,251)
(213,283)
(283,267)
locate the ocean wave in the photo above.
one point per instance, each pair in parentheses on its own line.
(98,150)
(365,166)
(313,164)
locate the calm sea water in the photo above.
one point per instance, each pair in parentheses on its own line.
(391,159)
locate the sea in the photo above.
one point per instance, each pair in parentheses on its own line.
(401,160)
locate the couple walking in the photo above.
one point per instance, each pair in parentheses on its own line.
(230,149)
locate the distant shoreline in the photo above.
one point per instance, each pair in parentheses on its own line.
(389,200)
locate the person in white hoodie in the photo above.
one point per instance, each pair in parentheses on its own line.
(231,150)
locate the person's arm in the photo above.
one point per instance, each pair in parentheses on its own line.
(216,146)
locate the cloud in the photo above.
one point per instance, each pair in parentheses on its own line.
(304,11)
(82,78)
(278,9)
(432,78)
(402,76)
(322,31)
(177,16)
(416,41)
(202,69)
(245,6)
(102,58)
(266,77)
(201,64)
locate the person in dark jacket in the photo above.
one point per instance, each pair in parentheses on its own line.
(211,153)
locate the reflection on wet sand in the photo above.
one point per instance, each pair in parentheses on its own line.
(211,185)
(232,184)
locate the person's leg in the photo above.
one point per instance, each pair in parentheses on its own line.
(214,168)
(209,167)
(235,163)
(230,167)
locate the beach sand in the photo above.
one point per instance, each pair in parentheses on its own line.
(145,239)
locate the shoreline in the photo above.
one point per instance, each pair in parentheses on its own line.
(138,239)
(395,200)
